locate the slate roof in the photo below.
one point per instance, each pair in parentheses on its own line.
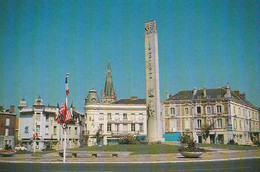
(130,101)
(213,93)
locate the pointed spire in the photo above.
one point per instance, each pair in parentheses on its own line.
(109,90)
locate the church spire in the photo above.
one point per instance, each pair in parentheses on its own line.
(109,90)
(109,94)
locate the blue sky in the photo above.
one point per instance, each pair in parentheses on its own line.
(201,43)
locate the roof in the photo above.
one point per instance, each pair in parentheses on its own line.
(7,113)
(188,94)
(130,101)
(212,93)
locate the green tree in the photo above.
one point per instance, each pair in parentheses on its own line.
(98,136)
(205,129)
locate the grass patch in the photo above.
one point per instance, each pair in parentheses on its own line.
(135,149)
(44,152)
(230,147)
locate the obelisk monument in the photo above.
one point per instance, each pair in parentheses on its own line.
(153,102)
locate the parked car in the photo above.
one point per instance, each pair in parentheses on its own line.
(19,147)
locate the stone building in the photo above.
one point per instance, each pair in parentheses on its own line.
(230,113)
(38,129)
(112,119)
(7,127)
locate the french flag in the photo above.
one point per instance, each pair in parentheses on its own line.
(67,86)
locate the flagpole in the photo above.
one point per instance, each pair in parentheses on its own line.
(65,128)
(34,145)
(65,144)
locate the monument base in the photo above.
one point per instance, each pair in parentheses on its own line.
(154,140)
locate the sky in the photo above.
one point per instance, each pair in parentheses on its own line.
(201,43)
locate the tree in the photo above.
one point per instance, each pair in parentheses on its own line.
(98,137)
(1,108)
(205,129)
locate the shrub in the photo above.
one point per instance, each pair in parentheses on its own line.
(185,139)
(192,147)
(232,142)
(256,142)
(128,139)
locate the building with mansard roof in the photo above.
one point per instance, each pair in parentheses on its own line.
(110,119)
(232,116)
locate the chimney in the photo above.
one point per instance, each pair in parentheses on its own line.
(237,92)
(167,94)
(228,94)
(11,109)
(205,92)
(243,95)
(134,98)
(194,91)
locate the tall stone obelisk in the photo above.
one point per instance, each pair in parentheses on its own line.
(153,102)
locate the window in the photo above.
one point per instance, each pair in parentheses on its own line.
(101,127)
(186,110)
(141,114)
(125,129)
(132,127)
(187,124)
(116,113)
(117,127)
(55,130)
(38,116)
(47,118)
(7,122)
(46,129)
(141,127)
(208,110)
(219,121)
(219,110)
(69,130)
(199,110)
(199,123)
(235,124)
(38,128)
(172,111)
(124,116)
(6,132)
(108,127)
(109,116)
(76,130)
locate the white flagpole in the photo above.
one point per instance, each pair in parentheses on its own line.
(65,144)
(65,133)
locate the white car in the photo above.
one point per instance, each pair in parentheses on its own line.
(18,147)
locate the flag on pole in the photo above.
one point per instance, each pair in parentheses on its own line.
(67,85)
(57,114)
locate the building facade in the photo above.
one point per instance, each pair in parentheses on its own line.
(108,120)
(229,113)
(7,127)
(38,130)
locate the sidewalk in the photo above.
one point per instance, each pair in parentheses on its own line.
(125,157)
